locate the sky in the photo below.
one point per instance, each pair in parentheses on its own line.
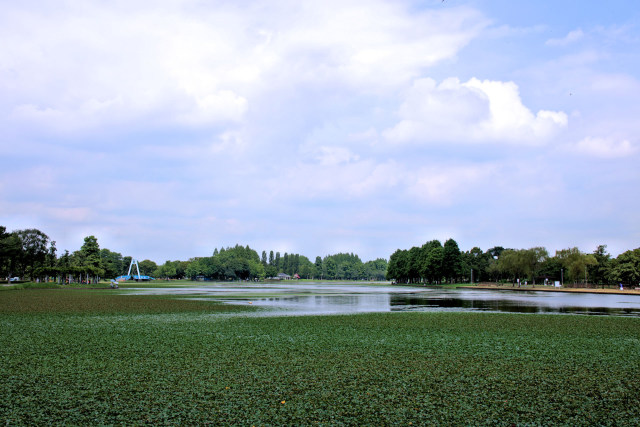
(168,128)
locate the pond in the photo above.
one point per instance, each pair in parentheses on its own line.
(344,298)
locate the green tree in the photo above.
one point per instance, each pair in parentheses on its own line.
(477,261)
(89,259)
(626,268)
(551,269)
(601,272)
(575,263)
(66,268)
(111,262)
(166,271)
(398,268)
(10,250)
(415,264)
(331,268)
(318,265)
(433,261)
(50,268)
(375,269)
(345,266)
(511,264)
(148,267)
(534,260)
(33,252)
(452,260)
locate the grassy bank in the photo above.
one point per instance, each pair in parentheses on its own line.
(93,357)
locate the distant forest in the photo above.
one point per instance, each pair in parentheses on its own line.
(435,263)
(30,254)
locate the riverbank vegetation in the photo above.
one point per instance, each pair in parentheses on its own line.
(30,254)
(436,263)
(115,359)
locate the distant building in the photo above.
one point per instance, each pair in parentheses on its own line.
(283,276)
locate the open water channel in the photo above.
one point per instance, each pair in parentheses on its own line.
(324,298)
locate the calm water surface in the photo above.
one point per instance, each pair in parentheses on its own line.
(323,298)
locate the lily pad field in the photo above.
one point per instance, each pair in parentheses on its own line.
(96,357)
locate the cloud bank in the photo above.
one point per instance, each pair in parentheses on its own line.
(171,128)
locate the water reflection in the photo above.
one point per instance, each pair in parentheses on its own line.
(533,302)
(322,298)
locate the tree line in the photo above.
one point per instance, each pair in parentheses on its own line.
(436,263)
(244,263)
(32,254)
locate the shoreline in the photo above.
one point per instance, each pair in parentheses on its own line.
(541,288)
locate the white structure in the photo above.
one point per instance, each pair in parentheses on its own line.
(134,261)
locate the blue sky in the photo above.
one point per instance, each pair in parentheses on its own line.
(169,128)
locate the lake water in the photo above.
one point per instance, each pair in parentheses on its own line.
(323,298)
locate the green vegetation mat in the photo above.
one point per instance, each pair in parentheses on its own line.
(93,357)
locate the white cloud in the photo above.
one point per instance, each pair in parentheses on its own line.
(474,111)
(605,148)
(80,66)
(367,180)
(573,37)
(331,156)
(445,186)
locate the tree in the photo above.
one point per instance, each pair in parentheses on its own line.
(306,269)
(626,268)
(551,269)
(398,268)
(495,252)
(89,259)
(477,261)
(433,259)
(318,265)
(111,262)
(271,258)
(10,248)
(534,259)
(510,263)
(415,264)
(65,267)
(33,252)
(264,258)
(50,268)
(575,263)
(600,273)
(452,260)
(167,270)
(345,266)
(330,268)
(148,267)
(376,269)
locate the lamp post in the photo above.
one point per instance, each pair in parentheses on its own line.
(562,277)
